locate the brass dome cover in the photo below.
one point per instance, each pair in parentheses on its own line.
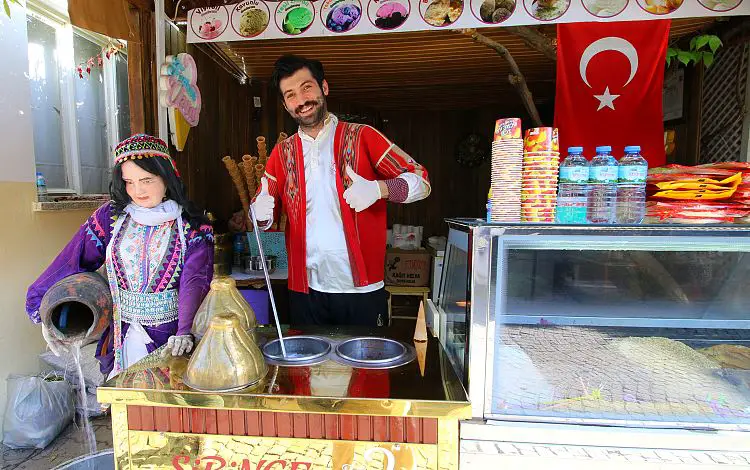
(223,297)
(226,359)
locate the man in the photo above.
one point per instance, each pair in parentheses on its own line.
(333,178)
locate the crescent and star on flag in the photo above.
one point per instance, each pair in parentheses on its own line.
(607,99)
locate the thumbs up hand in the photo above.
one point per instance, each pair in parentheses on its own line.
(264,203)
(362,193)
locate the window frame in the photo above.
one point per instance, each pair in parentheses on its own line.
(64,38)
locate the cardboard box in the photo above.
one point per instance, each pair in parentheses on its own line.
(410,268)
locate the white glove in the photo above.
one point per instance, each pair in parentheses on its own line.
(362,193)
(264,203)
(178,345)
(53,342)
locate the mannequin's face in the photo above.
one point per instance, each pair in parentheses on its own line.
(145,189)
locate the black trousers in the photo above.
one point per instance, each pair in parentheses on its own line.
(322,308)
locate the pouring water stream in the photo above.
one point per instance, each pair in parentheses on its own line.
(75,349)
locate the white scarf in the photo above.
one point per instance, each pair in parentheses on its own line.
(165,212)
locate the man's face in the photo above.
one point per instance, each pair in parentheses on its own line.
(303,97)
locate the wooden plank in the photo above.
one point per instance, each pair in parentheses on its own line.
(316,426)
(161,419)
(413,430)
(364,428)
(175,419)
(397,429)
(136,69)
(380,429)
(348,425)
(134,417)
(332,427)
(197,421)
(147,418)
(284,424)
(429,430)
(268,424)
(299,425)
(238,423)
(212,426)
(223,422)
(186,426)
(252,423)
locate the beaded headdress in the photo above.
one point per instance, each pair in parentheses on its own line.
(143,146)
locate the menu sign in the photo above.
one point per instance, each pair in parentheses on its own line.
(258,19)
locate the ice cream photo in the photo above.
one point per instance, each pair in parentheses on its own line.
(493,11)
(605,8)
(297,20)
(443,12)
(343,17)
(391,15)
(546,10)
(660,7)
(720,5)
(253,22)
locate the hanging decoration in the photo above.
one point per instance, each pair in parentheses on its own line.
(110,50)
(179,93)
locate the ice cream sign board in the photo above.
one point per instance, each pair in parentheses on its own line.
(179,93)
(259,19)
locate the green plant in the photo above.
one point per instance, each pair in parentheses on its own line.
(6,5)
(702,50)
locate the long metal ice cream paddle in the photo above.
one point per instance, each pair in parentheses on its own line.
(268,279)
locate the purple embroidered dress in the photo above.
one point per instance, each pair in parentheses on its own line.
(158,276)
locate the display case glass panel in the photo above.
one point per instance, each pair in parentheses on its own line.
(626,326)
(453,301)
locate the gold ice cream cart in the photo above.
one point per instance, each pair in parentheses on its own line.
(320,416)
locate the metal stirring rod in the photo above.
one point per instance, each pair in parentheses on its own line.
(268,279)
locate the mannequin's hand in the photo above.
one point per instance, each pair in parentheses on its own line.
(362,193)
(178,345)
(55,345)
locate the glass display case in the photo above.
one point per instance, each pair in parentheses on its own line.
(644,326)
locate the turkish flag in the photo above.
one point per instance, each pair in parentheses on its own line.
(609,86)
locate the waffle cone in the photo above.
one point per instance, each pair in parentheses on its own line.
(237,179)
(421,347)
(420,331)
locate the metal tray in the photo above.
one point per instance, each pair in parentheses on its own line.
(298,349)
(371,350)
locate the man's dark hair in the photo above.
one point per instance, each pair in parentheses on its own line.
(288,64)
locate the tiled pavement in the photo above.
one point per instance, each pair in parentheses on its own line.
(68,445)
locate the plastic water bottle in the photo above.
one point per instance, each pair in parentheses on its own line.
(489,206)
(572,194)
(631,187)
(237,250)
(603,176)
(41,187)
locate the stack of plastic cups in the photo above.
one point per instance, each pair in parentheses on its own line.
(541,162)
(507,163)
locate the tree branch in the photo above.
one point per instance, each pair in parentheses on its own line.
(516,78)
(535,40)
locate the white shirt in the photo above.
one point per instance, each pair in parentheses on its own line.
(328,266)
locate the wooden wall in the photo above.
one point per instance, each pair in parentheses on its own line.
(227,127)
(431,138)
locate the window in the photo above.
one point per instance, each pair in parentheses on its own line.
(77,121)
